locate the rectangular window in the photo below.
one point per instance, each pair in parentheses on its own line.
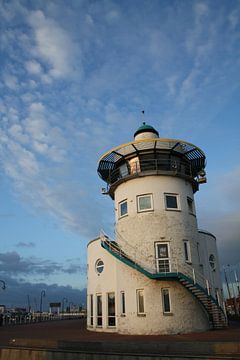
(198,253)
(111,309)
(99,310)
(166,301)
(190,205)
(122,302)
(123,208)
(187,253)
(140,301)
(91,310)
(171,202)
(162,257)
(145,202)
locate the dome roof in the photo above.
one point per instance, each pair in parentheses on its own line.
(146,128)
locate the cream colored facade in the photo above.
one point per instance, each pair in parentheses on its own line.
(161,274)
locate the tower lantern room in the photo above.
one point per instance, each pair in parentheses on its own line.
(160,275)
(150,155)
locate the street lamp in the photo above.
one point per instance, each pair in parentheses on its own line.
(43,294)
(66,300)
(3,284)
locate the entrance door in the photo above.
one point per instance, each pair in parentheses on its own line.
(162,257)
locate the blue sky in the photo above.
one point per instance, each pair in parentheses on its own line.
(74,78)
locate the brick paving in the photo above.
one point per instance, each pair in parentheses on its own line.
(48,334)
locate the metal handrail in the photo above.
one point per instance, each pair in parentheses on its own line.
(131,168)
(131,252)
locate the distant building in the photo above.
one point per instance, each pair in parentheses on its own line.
(2,309)
(161,274)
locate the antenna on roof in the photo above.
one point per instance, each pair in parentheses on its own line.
(143,112)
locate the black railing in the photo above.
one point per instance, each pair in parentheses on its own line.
(159,166)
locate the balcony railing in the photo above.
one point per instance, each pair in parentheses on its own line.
(157,166)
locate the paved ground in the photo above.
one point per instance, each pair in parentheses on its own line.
(49,334)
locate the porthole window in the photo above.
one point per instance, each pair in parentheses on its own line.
(212,261)
(99,266)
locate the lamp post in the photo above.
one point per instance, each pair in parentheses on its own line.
(43,294)
(66,300)
(3,284)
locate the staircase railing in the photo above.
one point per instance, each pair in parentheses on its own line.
(139,258)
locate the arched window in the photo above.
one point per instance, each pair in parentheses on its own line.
(99,266)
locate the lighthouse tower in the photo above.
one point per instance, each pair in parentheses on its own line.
(160,275)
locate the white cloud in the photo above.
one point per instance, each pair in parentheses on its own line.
(53,45)
(11,81)
(33,67)
(16,132)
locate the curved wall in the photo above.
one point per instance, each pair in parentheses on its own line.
(138,232)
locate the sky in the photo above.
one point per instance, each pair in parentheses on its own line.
(74,79)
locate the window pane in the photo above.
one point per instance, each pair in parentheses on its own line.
(123,208)
(91,309)
(162,250)
(111,304)
(186,250)
(163,266)
(123,302)
(111,309)
(171,201)
(212,261)
(99,266)
(99,305)
(166,300)
(190,205)
(145,202)
(140,299)
(99,310)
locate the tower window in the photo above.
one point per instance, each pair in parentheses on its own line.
(99,310)
(140,302)
(111,309)
(123,208)
(166,301)
(171,202)
(145,202)
(99,266)
(187,253)
(162,257)
(91,310)
(190,205)
(212,261)
(122,302)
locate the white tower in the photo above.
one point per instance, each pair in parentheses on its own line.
(161,274)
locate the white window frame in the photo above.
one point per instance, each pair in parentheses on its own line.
(99,268)
(138,202)
(166,260)
(122,303)
(111,316)
(177,199)
(119,208)
(165,312)
(187,251)
(138,292)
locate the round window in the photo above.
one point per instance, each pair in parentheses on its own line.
(212,261)
(99,266)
